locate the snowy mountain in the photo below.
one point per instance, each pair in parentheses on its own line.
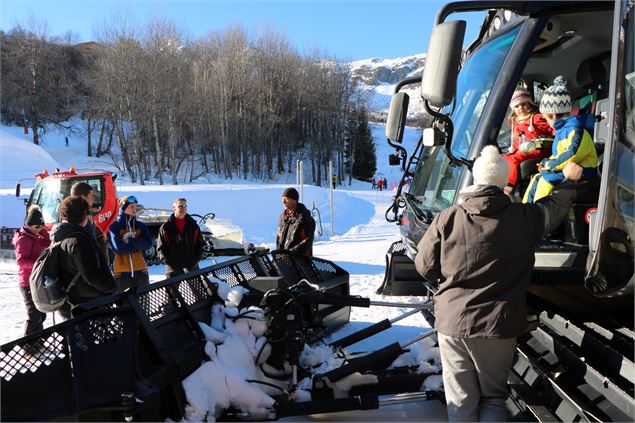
(377,79)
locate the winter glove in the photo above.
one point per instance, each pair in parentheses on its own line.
(128,236)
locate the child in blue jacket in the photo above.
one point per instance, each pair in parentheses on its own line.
(572,143)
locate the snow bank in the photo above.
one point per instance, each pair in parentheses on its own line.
(21,159)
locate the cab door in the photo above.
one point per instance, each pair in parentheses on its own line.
(612,228)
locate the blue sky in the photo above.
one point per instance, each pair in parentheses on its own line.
(348,29)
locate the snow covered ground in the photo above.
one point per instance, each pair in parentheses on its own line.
(362,235)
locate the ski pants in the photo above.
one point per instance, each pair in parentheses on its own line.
(126,280)
(34,317)
(516,158)
(475,374)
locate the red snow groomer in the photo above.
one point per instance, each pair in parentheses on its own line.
(51,189)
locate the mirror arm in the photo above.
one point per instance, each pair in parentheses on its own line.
(402,152)
(407,81)
(394,207)
(450,132)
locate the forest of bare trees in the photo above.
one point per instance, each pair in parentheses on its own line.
(165,107)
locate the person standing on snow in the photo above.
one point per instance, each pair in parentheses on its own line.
(84,190)
(180,243)
(481,254)
(129,238)
(296,226)
(29,242)
(81,260)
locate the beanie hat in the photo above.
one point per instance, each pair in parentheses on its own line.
(124,202)
(556,99)
(490,168)
(291,193)
(519,97)
(34,217)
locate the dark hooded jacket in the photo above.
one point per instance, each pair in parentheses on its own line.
(80,254)
(481,252)
(178,249)
(296,231)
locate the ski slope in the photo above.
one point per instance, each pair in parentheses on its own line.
(359,243)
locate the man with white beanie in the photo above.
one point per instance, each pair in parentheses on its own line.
(481,253)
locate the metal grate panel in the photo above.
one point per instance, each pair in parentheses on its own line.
(194,290)
(228,275)
(247,270)
(157,303)
(29,357)
(267,264)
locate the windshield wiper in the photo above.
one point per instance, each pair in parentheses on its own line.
(422,214)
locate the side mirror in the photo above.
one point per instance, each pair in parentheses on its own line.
(397,117)
(394,160)
(440,72)
(17,189)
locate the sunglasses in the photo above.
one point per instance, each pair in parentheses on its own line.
(182,206)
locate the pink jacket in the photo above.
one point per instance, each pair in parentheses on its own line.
(28,247)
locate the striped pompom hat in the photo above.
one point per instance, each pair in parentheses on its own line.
(556,98)
(520,96)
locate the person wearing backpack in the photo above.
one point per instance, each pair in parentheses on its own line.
(80,258)
(85,190)
(29,242)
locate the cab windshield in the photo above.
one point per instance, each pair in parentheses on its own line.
(47,195)
(436,181)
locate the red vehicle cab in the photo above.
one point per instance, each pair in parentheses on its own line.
(51,189)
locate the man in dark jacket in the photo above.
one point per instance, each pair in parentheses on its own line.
(481,253)
(80,258)
(84,190)
(180,243)
(296,226)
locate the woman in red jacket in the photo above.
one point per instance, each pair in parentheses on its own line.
(527,122)
(29,242)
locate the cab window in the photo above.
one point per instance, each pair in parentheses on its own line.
(98,187)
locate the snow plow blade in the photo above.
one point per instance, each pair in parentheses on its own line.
(401,277)
(125,355)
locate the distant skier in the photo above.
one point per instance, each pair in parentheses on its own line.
(296,227)
(334,181)
(385,183)
(66,139)
(380,183)
(373,184)
(180,242)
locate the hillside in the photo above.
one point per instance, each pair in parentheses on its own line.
(378,77)
(21,160)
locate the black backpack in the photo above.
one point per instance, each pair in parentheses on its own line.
(47,290)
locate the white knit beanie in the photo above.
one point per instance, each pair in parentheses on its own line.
(556,98)
(490,168)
